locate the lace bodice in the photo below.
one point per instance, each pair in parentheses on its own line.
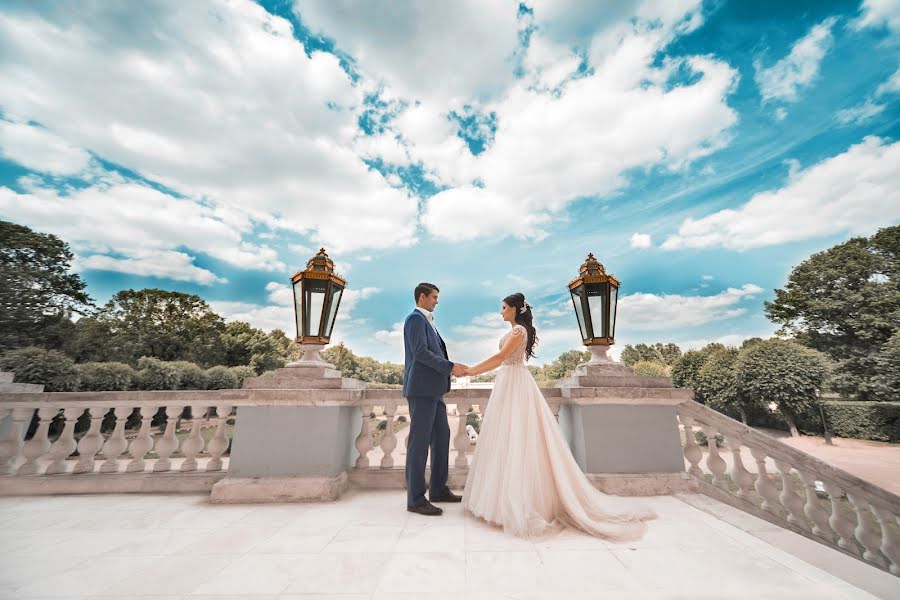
(518,355)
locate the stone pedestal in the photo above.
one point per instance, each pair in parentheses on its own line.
(618,422)
(293,453)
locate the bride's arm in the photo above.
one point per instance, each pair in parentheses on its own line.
(496,360)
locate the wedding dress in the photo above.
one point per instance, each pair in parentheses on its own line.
(523,476)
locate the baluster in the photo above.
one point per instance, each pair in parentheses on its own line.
(65,444)
(11,447)
(461,441)
(219,442)
(789,499)
(39,444)
(90,443)
(764,486)
(866,535)
(692,451)
(168,443)
(116,444)
(739,473)
(193,445)
(838,521)
(389,440)
(813,510)
(890,546)
(714,462)
(364,439)
(141,444)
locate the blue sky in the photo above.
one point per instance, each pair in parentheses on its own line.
(698,149)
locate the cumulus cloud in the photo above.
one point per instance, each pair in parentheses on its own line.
(38,149)
(124,226)
(853,192)
(878,13)
(640,240)
(783,80)
(639,312)
(217,102)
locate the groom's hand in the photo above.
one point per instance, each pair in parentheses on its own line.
(459,370)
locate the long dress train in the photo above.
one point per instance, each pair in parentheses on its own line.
(523,476)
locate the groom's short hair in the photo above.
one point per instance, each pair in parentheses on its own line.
(424,288)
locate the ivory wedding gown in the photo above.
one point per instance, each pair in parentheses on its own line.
(523,476)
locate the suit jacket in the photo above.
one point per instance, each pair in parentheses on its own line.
(426,368)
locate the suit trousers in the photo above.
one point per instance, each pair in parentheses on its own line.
(428,427)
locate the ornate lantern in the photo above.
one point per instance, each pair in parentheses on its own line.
(595,296)
(317,297)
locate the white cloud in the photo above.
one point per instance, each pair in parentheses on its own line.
(640,240)
(860,113)
(799,68)
(452,52)
(853,192)
(876,13)
(173,265)
(780,113)
(640,312)
(136,227)
(215,101)
(469,212)
(891,86)
(36,148)
(707,277)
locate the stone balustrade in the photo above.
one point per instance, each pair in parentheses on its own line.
(791,488)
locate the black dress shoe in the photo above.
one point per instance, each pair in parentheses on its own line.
(447,496)
(426,508)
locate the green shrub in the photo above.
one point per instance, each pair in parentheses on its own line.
(649,368)
(52,368)
(243,372)
(190,376)
(702,440)
(155,374)
(104,376)
(475,421)
(862,420)
(220,378)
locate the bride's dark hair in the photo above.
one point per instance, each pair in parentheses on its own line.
(525,319)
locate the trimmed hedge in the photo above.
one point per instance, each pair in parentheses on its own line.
(221,378)
(104,376)
(864,420)
(51,368)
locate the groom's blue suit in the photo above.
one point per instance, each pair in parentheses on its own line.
(426,378)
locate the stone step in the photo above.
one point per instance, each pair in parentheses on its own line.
(609,370)
(7,377)
(620,381)
(20,388)
(299,383)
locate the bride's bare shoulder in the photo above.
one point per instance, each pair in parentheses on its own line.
(518,330)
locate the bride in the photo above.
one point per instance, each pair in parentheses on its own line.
(523,476)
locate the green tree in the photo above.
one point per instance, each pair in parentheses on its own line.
(686,369)
(247,345)
(665,354)
(845,302)
(783,372)
(154,323)
(650,368)
(38,294)
(51,368)
(718,386)
(565,364)
(886,382)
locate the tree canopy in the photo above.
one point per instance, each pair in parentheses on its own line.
(665,354)
(39,291)
(845,302)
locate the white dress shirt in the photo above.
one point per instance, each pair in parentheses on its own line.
(429,316)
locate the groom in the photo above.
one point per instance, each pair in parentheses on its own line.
(426,378)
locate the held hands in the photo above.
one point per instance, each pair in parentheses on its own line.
(460,370)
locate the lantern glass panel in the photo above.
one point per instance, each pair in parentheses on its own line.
(613,302)
(336,292)
(314,293)
(298,306)
(578,301)
(597,302)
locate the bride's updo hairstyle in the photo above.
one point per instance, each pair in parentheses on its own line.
(525,318)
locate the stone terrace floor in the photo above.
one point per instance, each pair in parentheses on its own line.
(367,546)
